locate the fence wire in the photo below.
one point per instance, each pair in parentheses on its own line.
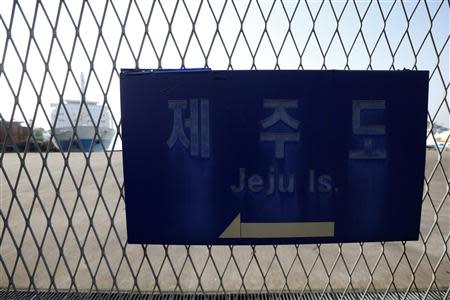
(62,213)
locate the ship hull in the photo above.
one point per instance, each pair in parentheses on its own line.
(86,140)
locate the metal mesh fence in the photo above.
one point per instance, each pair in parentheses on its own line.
(62,225)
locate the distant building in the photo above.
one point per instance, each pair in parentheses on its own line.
(436,128)
(440,137)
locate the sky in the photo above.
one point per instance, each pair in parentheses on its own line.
(137,34)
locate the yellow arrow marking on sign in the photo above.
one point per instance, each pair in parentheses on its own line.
(237,229)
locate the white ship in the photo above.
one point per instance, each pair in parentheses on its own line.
(86,136)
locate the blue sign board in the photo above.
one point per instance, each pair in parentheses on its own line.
(264,157)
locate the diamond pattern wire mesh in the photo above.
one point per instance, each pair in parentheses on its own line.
(62,213)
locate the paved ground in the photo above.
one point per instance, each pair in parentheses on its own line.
(98,225)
